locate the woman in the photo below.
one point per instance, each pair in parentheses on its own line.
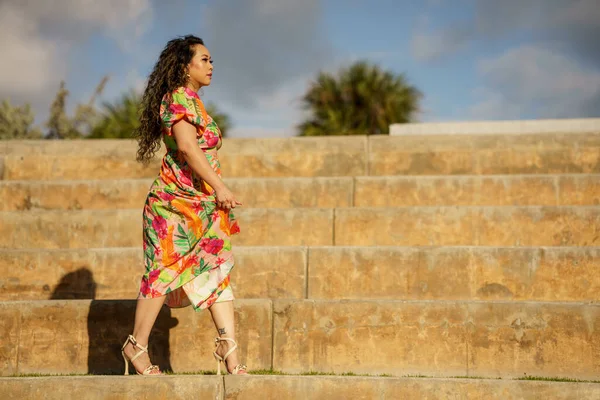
(187,218)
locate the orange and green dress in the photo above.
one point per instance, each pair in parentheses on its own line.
(187,238)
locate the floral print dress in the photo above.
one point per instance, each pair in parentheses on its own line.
(187,246)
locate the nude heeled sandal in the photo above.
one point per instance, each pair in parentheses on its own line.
(147,371)
(238,368)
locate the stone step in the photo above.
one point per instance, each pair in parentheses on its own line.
(438,338)
(385,273)
(326,192)
(417,142)
(402,226)
(318,156)
(323,192)
(83,147)
(479,226)
(173,387)
(484,154)
(123,228)
(470,190)
(115,273)
(85,336)
(276,157)
(288,387)
(454,272)
(433,338)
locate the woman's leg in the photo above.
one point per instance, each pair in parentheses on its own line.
(146,313)
(223,317)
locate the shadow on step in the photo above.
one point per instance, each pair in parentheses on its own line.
(76,285)
(109,322)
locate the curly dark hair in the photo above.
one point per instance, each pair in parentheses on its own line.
(168,74)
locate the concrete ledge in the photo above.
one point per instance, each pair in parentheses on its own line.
(288,388)
(112,388)
(544,126)
(371,388)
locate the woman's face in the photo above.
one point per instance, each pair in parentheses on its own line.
(200,68)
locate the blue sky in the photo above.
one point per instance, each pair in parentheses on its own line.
(471,59)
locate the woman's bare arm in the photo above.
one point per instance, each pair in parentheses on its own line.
(185,137)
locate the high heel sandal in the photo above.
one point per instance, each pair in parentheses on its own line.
(238,368)
(147,371)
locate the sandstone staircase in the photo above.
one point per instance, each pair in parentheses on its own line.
(443,266)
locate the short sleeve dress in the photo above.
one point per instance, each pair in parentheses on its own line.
(186,237)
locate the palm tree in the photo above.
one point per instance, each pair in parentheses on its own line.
(118,120)
(361,100)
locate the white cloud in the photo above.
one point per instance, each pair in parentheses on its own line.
(431,46)
(275,115)
(37,37)
(265,52)
(574,23)
(261,45)
(555,75)
(533,80)
(30,60)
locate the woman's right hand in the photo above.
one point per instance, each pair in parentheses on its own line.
(226,199)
